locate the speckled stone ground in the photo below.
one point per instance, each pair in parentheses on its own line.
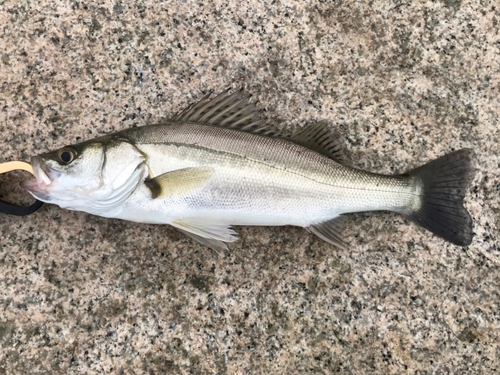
(404,81)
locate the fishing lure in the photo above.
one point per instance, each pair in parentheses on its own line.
(11,208)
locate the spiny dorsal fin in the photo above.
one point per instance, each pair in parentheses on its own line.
(233,111)
(178,182)
(330,231)
(320,138)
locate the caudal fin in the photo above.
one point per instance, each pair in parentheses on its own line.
(443,183)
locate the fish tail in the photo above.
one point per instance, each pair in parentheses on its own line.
(442,184)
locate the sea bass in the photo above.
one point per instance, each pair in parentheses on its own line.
(216,165)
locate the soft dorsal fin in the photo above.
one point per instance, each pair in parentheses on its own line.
(320,138)
(178,182)
(233,111)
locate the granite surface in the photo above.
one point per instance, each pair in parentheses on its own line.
(404,81)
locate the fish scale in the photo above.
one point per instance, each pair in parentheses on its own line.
(305,187)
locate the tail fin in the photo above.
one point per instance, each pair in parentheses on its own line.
(443,183)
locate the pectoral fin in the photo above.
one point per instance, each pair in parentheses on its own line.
(178,182)
(210,234)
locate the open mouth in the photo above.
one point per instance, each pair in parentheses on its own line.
(44,176)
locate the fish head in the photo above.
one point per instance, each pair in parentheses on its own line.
(94,176)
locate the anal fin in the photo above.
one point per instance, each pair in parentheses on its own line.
(331,231)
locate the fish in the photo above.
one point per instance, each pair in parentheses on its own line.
(218,164)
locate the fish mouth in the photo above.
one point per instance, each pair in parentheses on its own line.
(44,176)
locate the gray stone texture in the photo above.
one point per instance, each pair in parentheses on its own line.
(404,82)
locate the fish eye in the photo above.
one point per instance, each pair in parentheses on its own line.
(67,155)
